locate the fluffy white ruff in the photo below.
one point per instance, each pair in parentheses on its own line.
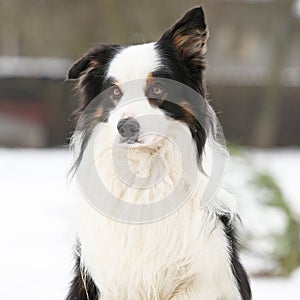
(183,256)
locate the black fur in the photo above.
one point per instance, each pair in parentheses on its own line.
(187,59)
(185,62)
(196,116)
(78,289)
(91,70)
(236,266)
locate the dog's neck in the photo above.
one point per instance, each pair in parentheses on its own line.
(172,252)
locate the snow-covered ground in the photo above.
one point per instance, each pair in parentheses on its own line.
(36,244)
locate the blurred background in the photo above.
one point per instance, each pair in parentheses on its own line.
(253,80)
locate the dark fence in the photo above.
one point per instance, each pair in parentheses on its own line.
(238,109)
(34,112)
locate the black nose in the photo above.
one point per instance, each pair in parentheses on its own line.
(128,127)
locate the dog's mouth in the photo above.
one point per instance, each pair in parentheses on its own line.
(131,140)
(140,140)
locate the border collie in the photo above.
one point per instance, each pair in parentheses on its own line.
(145,225)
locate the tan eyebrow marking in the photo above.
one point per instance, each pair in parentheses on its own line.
(149,80)
(153,102)
(98,112)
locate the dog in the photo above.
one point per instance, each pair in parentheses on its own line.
(148,103)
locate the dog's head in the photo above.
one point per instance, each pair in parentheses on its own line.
(141,89)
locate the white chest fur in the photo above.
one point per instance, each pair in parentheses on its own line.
(183,256)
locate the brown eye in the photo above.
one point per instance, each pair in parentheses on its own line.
(156,90)
(156,94)
(116,93)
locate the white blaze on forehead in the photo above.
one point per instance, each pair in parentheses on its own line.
(134,62)
(130,68)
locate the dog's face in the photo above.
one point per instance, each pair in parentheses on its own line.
(141,88)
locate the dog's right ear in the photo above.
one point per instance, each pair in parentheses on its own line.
(79,67)
(96,58)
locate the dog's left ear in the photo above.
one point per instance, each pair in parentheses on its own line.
(188,37)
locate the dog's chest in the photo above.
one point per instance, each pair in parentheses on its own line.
(158,260)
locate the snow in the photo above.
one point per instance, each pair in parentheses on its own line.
(262,221)
(36,248)
(275,289)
